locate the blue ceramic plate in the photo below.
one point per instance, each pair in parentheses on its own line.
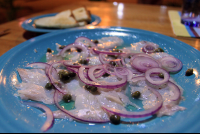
(16,117)
(29,25)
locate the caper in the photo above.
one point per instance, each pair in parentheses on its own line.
(159,50)
(115,119)
(113,56)
(49,50)
(136,94)
(75,63)
(64,75)
(117,50)
(91,88)
(113,63)
(67,98)
(72,74)
(68,50)
(95,41)
(83,62)
(61,47)
(48,86)
(87,87)
(78,50)
(189,72)
(161,75)
(106,75)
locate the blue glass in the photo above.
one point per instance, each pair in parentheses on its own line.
(190,15)
(190,23)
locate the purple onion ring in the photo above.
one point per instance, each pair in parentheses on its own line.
(157,71)
(49,114)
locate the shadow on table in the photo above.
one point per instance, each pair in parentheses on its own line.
(28,35)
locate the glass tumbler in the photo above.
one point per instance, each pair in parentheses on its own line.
(191,13)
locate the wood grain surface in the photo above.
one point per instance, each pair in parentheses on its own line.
(147,17)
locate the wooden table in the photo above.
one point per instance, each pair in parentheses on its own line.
(147,17)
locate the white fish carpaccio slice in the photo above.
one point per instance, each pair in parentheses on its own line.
(126,100)
(75,87)
(159,55)
(51,58)
(30,91)
(32,86)
(35,76)
(137,47)
(59,115)
(109,42)
(88,107)
(149,99)
(110,78)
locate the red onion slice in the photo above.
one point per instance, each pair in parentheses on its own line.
(109,69)
(49,114)
(85,40)
(140,54)
(134,71)
(123,61)
(92,77)
(138,78)
(118,62)
(53,81)
(176,90)
(171,64)
(69,64)
(76,45)
(99,73)
(143,63)
(91,51)
(121,71)
(39,65)
(157,71)
(103,59)
(74,116)
(97,83)
(109,52)
(149,47)
(91,72)
(42,65)
(145,113)
(75,70)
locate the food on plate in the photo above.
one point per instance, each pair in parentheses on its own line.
(136,94)
(189,72)
(82,14)
(102,79)
(65,19)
